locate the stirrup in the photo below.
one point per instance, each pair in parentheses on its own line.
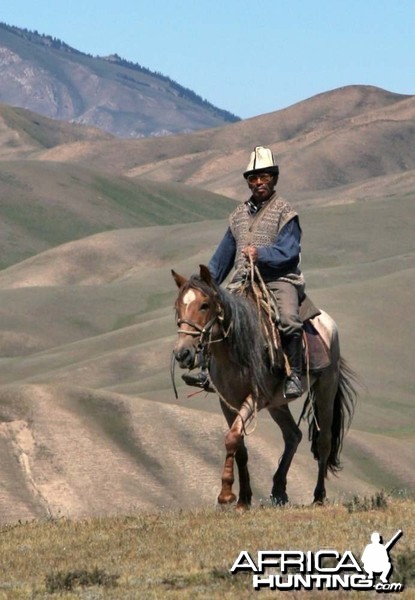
(293,387)
(200,380)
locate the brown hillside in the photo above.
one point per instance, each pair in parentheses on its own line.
(22,131)
(111,256)
(333,139)
(81,452)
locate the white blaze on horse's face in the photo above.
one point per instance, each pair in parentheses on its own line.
(188,298)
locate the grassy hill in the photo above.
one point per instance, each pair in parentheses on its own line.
(46,204)
(22,131)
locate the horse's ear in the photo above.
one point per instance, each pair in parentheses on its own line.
(205,274)
(179,279)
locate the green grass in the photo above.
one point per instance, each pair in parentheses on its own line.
(52,225)
(42,132)
(164,203)
(47,204)
(359,233)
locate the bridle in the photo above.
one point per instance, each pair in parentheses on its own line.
(202,348)
(204,332)
(199,331)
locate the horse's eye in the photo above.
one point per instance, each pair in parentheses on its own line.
(204,306)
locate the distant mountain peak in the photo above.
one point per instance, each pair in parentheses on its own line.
(44,74)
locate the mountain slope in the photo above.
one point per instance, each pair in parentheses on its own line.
(338,138)
(46,204)
(22,131)
(47,76)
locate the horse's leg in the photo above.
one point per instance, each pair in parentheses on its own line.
(245,492)
(324,394)
(236,449)
(292,437)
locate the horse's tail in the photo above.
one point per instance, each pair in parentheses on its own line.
(343,409)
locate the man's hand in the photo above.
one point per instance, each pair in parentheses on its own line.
(250,252)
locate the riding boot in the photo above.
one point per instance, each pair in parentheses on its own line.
(293,349)
(200,380)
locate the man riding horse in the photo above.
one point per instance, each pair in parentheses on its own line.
(265,230)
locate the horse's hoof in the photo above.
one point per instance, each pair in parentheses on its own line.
(319,502)
(226,500)
(279,499)
(242,506)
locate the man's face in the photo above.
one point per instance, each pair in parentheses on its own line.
(261,185)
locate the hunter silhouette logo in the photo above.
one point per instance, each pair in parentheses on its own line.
(324,569)
(375,557)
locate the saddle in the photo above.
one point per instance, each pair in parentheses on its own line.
(315,352)
(318,353)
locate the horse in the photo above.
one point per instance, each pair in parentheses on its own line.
(226,327)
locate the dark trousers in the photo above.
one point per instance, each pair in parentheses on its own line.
(287,300)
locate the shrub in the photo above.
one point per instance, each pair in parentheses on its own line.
(377,502)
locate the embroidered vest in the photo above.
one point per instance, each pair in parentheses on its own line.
(261,229)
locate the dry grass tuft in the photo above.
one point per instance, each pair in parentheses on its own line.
(378,501)
(57,582)
(404,568)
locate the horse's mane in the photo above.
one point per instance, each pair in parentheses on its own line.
(246,341)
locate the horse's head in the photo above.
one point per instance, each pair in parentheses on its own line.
(198,313)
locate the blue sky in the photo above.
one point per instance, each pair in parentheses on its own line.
(247,57)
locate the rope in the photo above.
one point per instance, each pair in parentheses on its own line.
(251,280)
(252,417)
(266,302)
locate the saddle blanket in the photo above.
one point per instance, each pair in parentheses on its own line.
(318,352)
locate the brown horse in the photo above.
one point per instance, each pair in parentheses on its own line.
(226,328)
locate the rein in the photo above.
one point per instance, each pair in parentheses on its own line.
(267,310)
